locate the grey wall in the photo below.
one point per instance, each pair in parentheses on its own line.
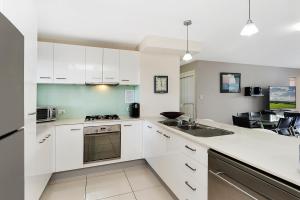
(221,107)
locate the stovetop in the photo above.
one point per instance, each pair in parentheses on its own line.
(101,117)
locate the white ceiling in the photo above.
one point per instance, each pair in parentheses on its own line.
(216,24)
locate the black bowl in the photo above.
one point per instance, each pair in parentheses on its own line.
(171,115)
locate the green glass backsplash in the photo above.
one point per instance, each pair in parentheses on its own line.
(79,100)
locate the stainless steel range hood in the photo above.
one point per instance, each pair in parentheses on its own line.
(102,83)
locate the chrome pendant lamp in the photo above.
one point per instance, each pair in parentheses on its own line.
(187,56)
(250,27)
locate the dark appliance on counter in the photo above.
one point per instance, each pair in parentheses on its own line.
(229,179)
(46,114)
(134,110)
(101,143)
(12,111)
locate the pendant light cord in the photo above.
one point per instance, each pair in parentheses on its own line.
(249,10)
(187,38)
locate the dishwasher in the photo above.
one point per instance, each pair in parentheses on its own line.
(229,179)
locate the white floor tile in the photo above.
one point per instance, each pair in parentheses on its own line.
(129,196)
(67,179)
(105,172)
(156,193)
(141,177)
(68,190)
(100,187)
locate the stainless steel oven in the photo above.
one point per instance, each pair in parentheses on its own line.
(102,143)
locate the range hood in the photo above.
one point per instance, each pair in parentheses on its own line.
(102,83)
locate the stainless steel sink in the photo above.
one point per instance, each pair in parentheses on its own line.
(197,130)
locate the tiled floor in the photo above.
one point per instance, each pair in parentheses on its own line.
(133,183)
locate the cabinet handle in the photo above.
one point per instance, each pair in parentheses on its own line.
(192,188)
(127,125)
(159,132)
(75,129)
(61,78)
(33,113)
(193,169)
(189,148)
(149,126)
(42,141)
(125,80)
(167,136)
(45,77)
(109,78)
(48,136)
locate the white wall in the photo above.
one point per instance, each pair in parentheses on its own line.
(22,13)
(159,64)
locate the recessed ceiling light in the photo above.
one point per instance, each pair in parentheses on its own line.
(296,27)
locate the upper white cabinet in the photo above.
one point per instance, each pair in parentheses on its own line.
(69,147)
(129,67)
(45,63)
(73,64)
(93,65)
(111,60)
(132,140)
(69,64)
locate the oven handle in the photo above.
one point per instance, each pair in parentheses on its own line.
(218,175)
(100,134)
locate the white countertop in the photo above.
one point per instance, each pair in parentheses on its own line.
(262,149)
(60,122)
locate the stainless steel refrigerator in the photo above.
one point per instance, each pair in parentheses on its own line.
(11,111)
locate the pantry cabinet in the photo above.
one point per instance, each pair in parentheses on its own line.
(69,64)
(129,67)
(69,147)
(45,67)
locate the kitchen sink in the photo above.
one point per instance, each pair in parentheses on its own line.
(195,129)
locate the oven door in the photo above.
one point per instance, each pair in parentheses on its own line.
(102,146)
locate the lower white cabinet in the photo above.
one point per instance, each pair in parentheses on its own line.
(180,163)
(131,140)
(69,147)
(44,158)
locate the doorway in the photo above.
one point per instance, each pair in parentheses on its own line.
(187,94)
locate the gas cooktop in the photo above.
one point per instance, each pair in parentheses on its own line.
(101,117)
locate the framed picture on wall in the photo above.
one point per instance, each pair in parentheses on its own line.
(161,84)
(230,82)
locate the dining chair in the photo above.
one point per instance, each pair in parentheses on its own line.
(245,122)
(284,126)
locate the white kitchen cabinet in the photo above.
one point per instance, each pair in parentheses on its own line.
(93,65)
(129,67)
(132,140)
(111,59)
(45,68)
(69,64)
(69,147)
(180,163)
(154,147)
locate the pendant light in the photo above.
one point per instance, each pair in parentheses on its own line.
(187,56)
(250,27)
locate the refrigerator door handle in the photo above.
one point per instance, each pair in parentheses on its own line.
(32,113)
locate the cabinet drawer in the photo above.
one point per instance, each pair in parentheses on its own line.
(192,190)
(194,170)
(196,152)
